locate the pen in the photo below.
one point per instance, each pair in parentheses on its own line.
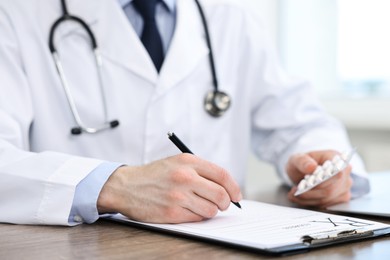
(182,147)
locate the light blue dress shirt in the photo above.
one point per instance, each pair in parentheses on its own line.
(84,208)
(165,18)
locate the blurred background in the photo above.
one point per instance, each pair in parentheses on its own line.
(343,48)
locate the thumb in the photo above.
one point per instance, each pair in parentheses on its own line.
(304,163)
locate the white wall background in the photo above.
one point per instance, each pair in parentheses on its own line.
(367,121)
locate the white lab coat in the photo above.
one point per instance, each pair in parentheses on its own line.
(41,162)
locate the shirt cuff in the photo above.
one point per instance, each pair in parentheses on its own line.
(84,207)
(360,186)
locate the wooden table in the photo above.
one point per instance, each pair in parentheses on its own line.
(107,240)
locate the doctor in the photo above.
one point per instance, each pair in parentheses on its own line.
(78,140)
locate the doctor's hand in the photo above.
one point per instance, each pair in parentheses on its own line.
(182,188)
(335,190)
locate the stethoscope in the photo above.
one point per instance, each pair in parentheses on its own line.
(216,102)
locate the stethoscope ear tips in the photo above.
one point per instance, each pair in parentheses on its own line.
(79,130)
(76,131)
(114,123)
(216,103)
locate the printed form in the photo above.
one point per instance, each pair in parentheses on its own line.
(264,226)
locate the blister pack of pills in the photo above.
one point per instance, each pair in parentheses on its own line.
(325,171)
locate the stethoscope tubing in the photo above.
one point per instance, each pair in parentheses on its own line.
(208,42)
(216,102)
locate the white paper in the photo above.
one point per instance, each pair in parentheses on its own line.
(265,226)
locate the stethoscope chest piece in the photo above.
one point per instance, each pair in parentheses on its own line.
(216,103)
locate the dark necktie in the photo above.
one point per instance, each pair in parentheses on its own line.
(150,36)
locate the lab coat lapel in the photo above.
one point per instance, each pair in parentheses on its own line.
(115,36)
(188,47)
(121,44)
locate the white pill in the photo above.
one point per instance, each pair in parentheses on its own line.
(336,159)
(340,165)
(302,185)
(327,173)
(332,170)
(320,175)
(318,170)
(310,181)
(318,179)
(327,164)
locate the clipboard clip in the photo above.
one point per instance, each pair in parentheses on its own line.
(329,237)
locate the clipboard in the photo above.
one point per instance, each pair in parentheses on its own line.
(271,229)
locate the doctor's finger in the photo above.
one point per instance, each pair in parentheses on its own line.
(340,191)
(314,194)
(322,196)
(323,155)
(177,215)
(344,197)
(213,192)
(219,176)
(342,179)
(200,206)
(324,201)
(311,197)
(303,163)
(329,189)
(304,201)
